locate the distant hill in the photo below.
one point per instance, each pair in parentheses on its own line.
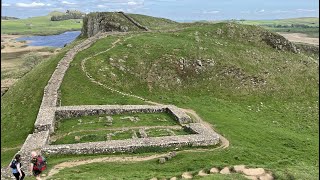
(39,25)
(305,25)
(8,18)
(69,14)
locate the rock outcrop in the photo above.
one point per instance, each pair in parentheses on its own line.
(108,22)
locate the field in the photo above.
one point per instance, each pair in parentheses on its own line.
(263,100)
(40,25)
(309,26)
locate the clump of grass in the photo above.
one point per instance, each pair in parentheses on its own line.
(31,60)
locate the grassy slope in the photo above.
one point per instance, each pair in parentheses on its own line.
(90,92)
(19,106)
(273,126)
(41,25)
(154,23)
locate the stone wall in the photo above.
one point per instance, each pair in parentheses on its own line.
(308,48)
(132,144)
(77,111)
(134,22)
(279,42)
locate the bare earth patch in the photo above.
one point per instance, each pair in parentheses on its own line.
(299,37)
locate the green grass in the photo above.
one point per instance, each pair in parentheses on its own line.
(96,128)
(90,92)
(154,23)
(95,136)
(119,121)
(40,25)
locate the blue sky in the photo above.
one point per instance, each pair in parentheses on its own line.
(173,9)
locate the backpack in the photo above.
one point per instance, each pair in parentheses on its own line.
(13,164)
(41,164)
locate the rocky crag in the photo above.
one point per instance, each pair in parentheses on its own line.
(109,22)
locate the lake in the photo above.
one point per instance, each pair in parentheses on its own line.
(53,40)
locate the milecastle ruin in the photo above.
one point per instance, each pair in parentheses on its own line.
(50,112)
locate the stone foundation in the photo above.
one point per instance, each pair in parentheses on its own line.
(131,145)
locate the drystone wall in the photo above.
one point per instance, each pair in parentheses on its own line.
(279,42)
(134,22)
(77,111)
(131,145)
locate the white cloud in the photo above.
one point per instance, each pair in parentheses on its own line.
(101,6)
(68,3)
(132,3)
(33,4)
(210,12)
(307,10)
(261,11)
(6,5)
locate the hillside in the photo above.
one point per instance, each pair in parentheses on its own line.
(253,86)
(40,25)
(119,21)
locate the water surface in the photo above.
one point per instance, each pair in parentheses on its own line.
(52,40)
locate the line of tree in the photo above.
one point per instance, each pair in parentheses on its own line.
(69,15)
(290,26)
(8,17)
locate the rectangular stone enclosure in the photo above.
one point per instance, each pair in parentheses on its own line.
(203,136)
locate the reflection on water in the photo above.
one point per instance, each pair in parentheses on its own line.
(53,40)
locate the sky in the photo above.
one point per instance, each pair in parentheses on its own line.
(179,10)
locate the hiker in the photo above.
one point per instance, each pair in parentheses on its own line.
(15,166)
(38,164)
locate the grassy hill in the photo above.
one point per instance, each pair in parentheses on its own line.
(40,25)
(263,100)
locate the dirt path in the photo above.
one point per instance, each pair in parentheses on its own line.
(299,37)
(70,164)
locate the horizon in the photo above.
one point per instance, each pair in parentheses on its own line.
(176,10)
(183,20)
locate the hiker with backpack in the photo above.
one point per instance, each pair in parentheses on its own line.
(15,166)
(38,164)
